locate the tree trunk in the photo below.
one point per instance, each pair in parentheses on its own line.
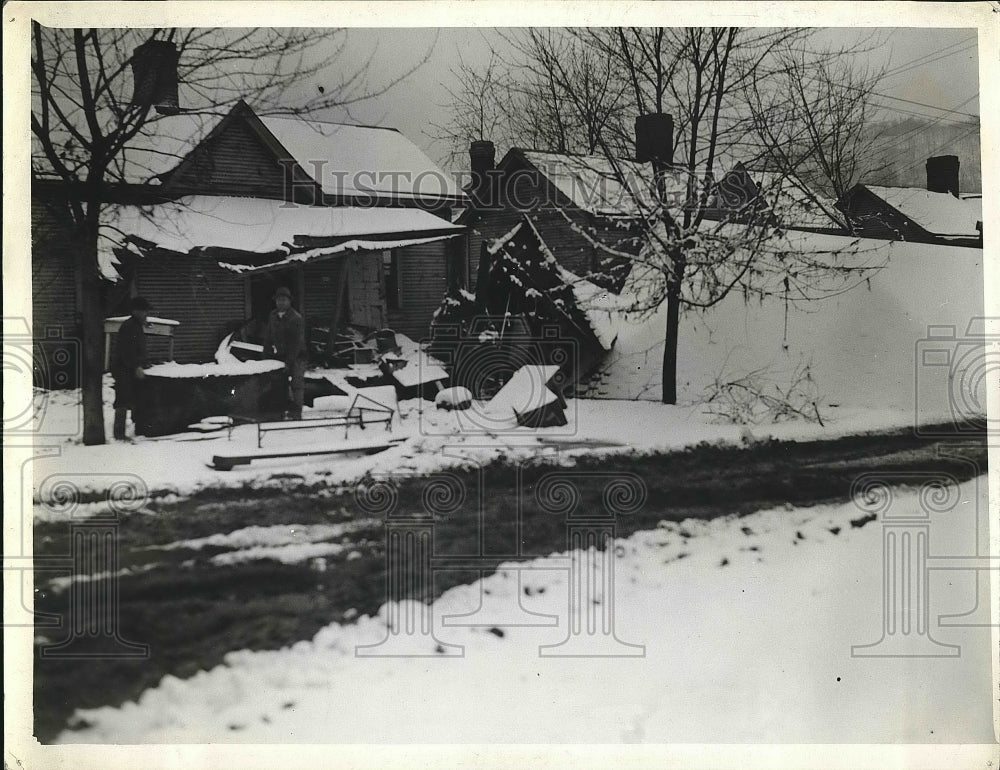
(92,332)
(669,374)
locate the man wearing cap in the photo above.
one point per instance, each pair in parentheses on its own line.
(129,360)
(285,340)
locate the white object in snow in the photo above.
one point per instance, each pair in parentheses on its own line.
(418,372)
(222,354)
(526,390)
(453,398)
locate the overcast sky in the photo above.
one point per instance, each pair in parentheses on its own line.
(937,67)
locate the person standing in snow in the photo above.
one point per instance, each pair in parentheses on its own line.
(285,340)
(129,361)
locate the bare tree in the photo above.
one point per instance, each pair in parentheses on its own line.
(83,118)
(817,119)
(540,88)
(713,81)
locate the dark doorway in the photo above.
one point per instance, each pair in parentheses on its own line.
(262,288)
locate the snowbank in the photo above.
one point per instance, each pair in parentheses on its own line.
(861,344)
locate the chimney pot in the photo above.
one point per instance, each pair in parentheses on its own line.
(654,138)
(154,76)
(942,174)
(482,160)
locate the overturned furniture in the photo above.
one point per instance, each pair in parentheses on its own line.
(364,410)
(528,398)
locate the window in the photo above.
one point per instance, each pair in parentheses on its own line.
(390,268)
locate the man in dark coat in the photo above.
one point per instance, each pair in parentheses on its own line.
(127,366)
(285,340)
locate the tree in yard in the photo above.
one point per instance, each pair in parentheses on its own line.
(85,113)
(739,99)
(819,120)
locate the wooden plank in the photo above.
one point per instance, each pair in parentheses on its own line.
(228,460)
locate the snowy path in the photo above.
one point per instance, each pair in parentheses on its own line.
(747,624)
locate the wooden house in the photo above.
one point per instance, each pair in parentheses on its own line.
(584,206)
(213,212)
(743,194)
(938,214)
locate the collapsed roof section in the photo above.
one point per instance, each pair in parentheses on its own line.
(524,278)
(254,234)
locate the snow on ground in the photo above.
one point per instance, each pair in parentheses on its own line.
(277,535)
(285,543)
(747,626)
(434,438)
(862,345)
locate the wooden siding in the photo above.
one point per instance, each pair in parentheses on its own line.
(366,294)
(53,272)
(237,162)
(423,280)
(207,300)
(323,286)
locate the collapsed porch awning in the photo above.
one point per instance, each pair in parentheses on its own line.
(263,263)
(254,234)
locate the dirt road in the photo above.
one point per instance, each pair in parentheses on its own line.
(194,602)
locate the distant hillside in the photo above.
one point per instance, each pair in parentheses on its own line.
(910,142)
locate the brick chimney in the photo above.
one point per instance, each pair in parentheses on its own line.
(654,138)
(942,174)
(482,160)
(154,76)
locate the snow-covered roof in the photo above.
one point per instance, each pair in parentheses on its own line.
(159,146)
(263,227)
(938,213)
(601,185)
(344,159)
(794,204)
(361,160)
(975,204)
